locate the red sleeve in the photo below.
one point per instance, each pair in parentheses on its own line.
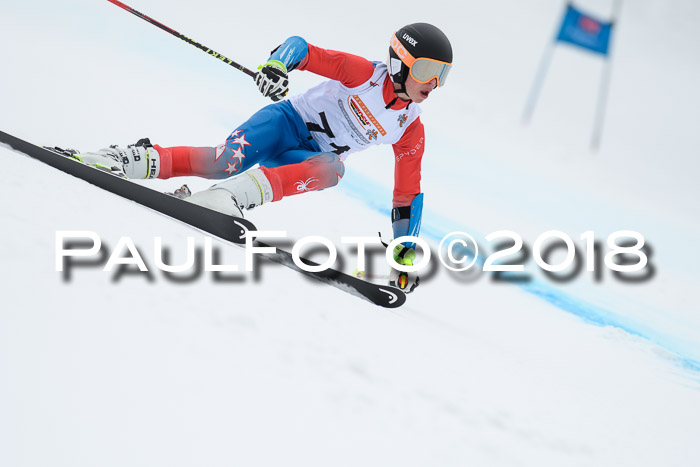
(408,153)
(349,69)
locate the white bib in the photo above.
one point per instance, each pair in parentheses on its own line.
(344,120)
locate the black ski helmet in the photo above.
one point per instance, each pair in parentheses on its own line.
(420,40)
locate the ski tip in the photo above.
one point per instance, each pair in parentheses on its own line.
(393,298)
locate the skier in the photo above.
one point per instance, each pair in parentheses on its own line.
(299,144)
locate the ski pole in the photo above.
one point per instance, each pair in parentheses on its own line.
(185,38)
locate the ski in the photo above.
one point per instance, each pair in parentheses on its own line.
(385,296)
(213,222)
(226,227)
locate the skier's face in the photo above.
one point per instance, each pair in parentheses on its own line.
(418,92)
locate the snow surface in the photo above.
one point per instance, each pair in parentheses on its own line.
(104,368)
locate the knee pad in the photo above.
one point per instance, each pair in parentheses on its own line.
(332,163)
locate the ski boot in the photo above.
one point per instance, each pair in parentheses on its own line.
(136,161)
(244,191)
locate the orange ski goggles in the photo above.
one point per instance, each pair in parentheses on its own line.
(421,69)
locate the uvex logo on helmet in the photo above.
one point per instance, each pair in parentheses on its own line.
(410,40)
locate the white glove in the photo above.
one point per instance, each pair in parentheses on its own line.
(272,80)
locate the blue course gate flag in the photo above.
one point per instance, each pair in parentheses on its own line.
(585,31)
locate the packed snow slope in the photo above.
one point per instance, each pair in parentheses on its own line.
(128,368)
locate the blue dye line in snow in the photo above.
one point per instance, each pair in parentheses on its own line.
(378,198)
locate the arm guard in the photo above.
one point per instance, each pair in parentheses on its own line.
(406,220)
(290,53)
